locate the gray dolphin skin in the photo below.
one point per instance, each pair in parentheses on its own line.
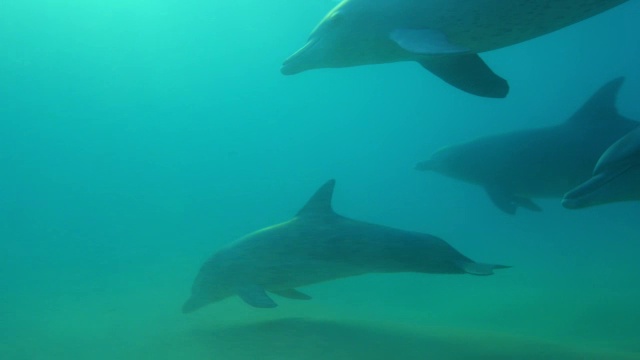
(319,245)
(616,176)
(537,163)
(444,36)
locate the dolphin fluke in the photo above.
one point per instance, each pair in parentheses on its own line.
(480,269)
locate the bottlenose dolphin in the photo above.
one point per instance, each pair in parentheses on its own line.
(444,36)
(544,162)
(319,245)
(616,176)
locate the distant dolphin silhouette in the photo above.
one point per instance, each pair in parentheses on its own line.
(443,36)
(544,162)
(616,176)
(319,245)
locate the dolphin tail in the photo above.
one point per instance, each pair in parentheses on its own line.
(481,269)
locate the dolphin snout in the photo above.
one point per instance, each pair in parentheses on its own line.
(192,305)
(425,165)
(299,61)
(588,193)
(572,203)
(289,69)
(580,196)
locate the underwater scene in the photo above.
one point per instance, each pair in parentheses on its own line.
(365,179)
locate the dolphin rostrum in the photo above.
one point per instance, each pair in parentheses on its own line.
(444,36)
(616,176)
(319,245)
(541,163)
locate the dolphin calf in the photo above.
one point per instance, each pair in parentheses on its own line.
(544,162)
(444,36)
(616,176)
(319,245)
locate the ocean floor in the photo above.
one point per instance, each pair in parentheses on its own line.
(345,320)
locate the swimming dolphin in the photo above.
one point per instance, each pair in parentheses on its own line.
(319,245)
(616,176)
(444,36)
(544,162)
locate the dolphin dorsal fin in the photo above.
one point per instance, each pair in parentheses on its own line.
(320,202)
(601,107)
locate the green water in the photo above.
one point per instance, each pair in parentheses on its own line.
(137,137)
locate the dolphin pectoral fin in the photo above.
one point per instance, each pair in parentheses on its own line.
(480,269)
(527,203)
(509,202)
(256,296)
(425,42)
(467,72)
(292,294)
(502,200)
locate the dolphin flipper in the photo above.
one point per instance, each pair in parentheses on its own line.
(509,202)
(467,72)
(256,296)
(527,203)
(292,294)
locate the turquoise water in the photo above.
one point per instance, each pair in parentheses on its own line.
(137,137)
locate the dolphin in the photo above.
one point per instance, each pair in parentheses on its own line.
(616,176)
(541,163)
(319,245)
(444,36)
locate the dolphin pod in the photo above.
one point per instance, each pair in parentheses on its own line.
(591,158)
(319,245)
(537,163)
(616,176)
(444,36)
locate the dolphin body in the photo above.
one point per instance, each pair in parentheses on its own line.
(542,163)
(319,245)
(444,36)
(616,176)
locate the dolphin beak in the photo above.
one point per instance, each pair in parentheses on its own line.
(572,203)
(426,165)
(585,195)
(192,305)
(299,61)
